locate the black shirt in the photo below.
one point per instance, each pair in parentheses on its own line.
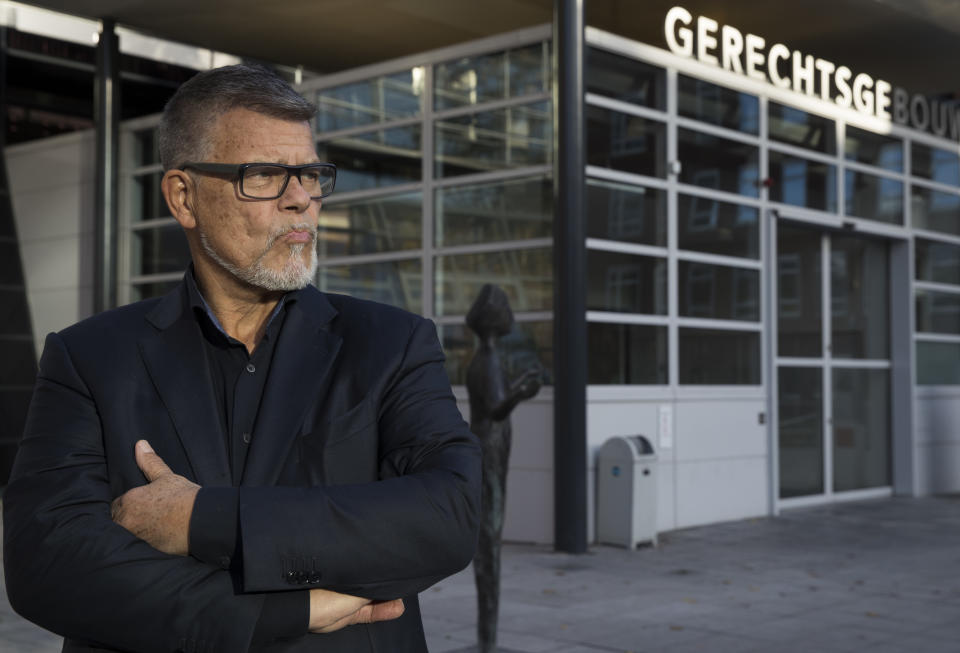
(238,378)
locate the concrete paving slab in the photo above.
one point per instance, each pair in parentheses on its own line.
(870,577)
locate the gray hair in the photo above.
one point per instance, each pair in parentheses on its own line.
(184,129)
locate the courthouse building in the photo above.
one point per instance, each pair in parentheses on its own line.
(768,252)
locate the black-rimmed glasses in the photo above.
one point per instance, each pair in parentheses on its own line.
(268,181)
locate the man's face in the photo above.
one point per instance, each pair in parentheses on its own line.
(269,244)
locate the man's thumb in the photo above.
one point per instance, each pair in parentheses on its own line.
(149,463)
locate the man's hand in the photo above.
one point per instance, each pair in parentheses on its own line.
(158,512)
(330,611)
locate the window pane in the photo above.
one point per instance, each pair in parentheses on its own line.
(526,275)
(800,438)
(371,101)
(153,289)
(802,183)
(624,142)
(789,125)
(527,345)
(861,429)
(505,210)
(144,143)
(719,292)
(938,363)
(474,80)
(365,226)
(375,159)
(390,282)
(938,262)
(529,69)
(159,250)
(799,292)
(717,105)
(720,163)
(859,293)
(715,357)
(146,202)
(626,283)
(874,198)
(934,210)
(492,140)
(937,312)
(625,79)
(628,213)
(874,149)
(619,354)
(706,225)
(935,164)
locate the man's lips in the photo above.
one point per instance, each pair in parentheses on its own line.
(299,237)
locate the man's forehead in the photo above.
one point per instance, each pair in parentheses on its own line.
(242,129)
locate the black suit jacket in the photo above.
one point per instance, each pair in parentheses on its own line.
(362,478)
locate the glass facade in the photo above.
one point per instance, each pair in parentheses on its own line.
(445,183)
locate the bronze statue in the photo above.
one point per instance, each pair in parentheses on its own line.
(492,399)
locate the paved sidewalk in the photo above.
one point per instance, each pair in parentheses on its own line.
(880,576)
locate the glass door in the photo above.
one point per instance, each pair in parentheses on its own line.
(832,362)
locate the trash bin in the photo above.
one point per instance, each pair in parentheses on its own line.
(627,492)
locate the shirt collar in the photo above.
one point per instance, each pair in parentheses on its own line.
(197,302)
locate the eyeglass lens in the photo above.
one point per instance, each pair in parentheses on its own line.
(267,182)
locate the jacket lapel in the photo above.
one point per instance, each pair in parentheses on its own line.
(176,362)
(300,375)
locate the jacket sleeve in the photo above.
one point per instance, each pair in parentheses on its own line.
(72,570)
(385,539)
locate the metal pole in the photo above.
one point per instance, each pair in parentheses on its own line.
(569,255)
(106,113)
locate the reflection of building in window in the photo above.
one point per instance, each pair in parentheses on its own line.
(701,290)
(789,286)
(889,197)
(623,287)
(793,181)
(627,136)
(703,211)
(748,174)
(745,294)
(707,177)
(840,289)
(626,213)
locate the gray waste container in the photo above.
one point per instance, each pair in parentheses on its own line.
(627,492)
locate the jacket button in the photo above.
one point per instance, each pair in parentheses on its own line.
(315,577)
(291,577)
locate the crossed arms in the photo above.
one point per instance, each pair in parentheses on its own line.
(75,571)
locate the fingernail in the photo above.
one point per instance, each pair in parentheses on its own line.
(144,446)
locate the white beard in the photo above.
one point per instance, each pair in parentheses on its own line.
(294,274)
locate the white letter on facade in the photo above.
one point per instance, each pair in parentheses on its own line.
(685,45)
(706,40)
(732,44)
(901,99)
(803,73)
(777,52)
(919,112)
(826,69)
(862,96)
(841,79)
(883,99)
(755,56)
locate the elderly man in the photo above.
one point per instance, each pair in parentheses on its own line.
(247,463)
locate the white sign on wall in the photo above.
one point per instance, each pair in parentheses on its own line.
(727,47)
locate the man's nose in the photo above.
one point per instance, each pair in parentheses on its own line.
(294,197)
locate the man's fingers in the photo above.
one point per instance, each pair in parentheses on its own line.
(386,610)
(149,463)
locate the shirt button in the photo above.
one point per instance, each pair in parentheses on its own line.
(246,438)
(251,368)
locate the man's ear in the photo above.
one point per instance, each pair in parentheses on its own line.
(180,191)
